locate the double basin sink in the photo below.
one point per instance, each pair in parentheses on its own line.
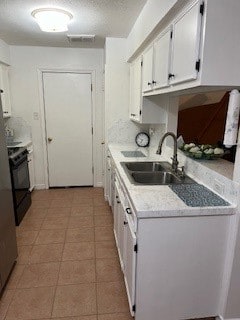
(153,173)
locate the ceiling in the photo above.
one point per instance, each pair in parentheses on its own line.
(104,18)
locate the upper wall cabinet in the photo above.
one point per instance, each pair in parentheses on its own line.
(198,49)
(5,90)
(143,109)
(185,45)
(156,61)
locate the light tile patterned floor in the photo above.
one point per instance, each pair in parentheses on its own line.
(67,267)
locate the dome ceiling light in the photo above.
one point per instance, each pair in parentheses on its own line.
(52,20)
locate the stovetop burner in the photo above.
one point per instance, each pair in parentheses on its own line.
(11,151)
(16,155)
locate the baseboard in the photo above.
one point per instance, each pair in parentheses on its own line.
(98,185)
(40,187)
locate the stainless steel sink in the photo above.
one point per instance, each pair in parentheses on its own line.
(148,166)
(160,178)
(153,173)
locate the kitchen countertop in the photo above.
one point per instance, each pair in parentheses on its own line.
(23,144)
(152,201)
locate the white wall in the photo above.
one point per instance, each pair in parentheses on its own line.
(147,21)
(24,82)
(4,52)
(116,81)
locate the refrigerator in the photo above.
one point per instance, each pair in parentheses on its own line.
(8,243)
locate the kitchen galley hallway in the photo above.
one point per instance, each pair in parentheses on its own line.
(67,266)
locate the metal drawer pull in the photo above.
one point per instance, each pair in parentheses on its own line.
(128,210)
(125,222)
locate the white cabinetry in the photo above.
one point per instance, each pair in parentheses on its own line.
(162,60)
(147,81)
(143,109)
(109,182)
(196,51)
(31,168)
(136,89)
(185,45)
(5,90)
(129,261)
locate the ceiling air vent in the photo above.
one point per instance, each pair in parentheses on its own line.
(83,38)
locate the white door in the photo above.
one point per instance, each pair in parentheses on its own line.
(68,113)
(186,40)
(147,70)
(162,60)
(129,260)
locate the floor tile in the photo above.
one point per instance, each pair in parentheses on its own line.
(51,236)
(39,275)
(103,221)
(74,272)
(108,270)
(41,195)
(5,302)
(58,212)
(105,250)
(46,253)
(34,303)
(78,251)
(111,297)
(115,316)
(41,204)
(80,235)
(81,200)
(82,211)
(26,237)
(15,276)
(38,213)
(98,191)
(84,192)
(75,300)
(61,203)
(102,210)
(24,254)
(99,201)
(76,318)
(104,234)
(79,221)
(31,224)
(51,223)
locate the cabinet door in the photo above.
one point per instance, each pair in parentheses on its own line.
(186,40)
(135,89)
(115,214)
(121,215)
(5,95)
(108,179)
(31,171)
(161,60)
(147,70)
(129,260)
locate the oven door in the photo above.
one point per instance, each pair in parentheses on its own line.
(20,180)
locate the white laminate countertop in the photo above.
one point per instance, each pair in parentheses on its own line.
(154,201)
(22,144)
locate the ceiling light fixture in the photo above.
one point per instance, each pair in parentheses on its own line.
(52,20)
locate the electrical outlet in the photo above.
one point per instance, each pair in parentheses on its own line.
(219,187)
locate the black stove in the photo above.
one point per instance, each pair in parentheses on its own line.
(20,181)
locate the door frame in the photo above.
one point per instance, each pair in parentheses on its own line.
(42,117)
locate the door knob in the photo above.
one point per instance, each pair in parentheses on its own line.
(50,139)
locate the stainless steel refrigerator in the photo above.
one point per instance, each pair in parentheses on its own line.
(8,244)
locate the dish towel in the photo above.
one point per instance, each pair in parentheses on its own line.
(231,127)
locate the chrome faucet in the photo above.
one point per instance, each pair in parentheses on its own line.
(174,158)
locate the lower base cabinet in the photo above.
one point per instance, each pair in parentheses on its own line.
(31,169)
(173,267)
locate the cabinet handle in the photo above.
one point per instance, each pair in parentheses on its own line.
(133,114)
(5,111)
(171,75)
(149,83)
(118,201)
(29,160)
(117,197)
(125,222)
(1,91)
(154,82)
(128,210)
